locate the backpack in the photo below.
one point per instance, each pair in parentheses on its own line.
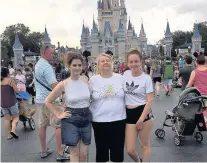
(168,71)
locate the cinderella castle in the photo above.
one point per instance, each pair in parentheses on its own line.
(113,32)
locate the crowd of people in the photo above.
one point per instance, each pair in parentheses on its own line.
(113,99)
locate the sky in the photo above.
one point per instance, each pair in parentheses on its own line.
(64,18)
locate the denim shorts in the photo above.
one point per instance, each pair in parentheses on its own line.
(77,127)
(167,81)
(11,111)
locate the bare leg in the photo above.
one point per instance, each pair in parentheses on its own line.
(75,153)
(83,152)
(58,140)
(144,136)
(7,120)
(42,136)
(157,87)
(15,119)
(131,141)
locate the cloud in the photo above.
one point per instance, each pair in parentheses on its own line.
(53,5)
(64,17)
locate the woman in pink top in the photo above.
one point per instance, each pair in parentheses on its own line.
(198,77)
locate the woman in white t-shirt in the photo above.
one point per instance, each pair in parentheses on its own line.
(21,80)
(138,99)
(108,111)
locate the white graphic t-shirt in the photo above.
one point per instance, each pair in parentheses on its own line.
(107,98)
(136,88)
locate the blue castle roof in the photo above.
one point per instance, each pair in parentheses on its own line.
(196,33)
(168,32)
(46,36)
(142,32)
(95,28)
(17,43)
(129,25)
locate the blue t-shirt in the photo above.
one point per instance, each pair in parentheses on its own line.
(181,63)
(46,75)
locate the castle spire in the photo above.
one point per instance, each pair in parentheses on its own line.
(129,25)
(142,32)
(46,39)
(17,43)
(83,29)
(95,28)
(196,33)
(168,32)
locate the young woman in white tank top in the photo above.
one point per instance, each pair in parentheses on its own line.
(76,120)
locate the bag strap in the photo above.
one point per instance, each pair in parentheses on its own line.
(49,89)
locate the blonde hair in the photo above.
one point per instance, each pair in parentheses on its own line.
(154,64)
(98,59)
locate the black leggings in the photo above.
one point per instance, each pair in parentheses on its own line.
(109,137)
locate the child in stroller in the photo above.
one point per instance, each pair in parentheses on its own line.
(25,110)
(184,119)
(177,81)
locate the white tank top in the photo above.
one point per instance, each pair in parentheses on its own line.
(77,94)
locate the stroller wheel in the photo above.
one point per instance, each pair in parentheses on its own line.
(178,140)
(160,133)
(31,123)
(199,137)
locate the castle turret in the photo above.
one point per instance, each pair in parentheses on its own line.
(121,39)
(83,40)
(168,40)
(18,52)
(143,40)
(115,3)
(95,39)
(46,39)
(196,39)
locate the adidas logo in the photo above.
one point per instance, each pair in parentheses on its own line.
(131,87)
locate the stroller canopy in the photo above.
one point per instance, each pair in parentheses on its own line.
(187,111)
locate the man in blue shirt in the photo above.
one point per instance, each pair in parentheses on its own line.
(45,81)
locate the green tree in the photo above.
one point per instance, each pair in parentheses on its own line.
(30,40)
(34,42)
(181,37)
(203,31)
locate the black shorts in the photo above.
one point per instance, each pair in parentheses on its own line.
(133,115)
(157,79)
(30,90)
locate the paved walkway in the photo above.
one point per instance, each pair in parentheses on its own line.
(26,149)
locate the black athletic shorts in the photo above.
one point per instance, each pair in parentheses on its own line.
(157,79)
(133,115)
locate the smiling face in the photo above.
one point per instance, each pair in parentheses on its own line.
(76,67)
(104,64)
(134,62)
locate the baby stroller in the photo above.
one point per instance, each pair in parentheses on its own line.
(183,117)
(25,111)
